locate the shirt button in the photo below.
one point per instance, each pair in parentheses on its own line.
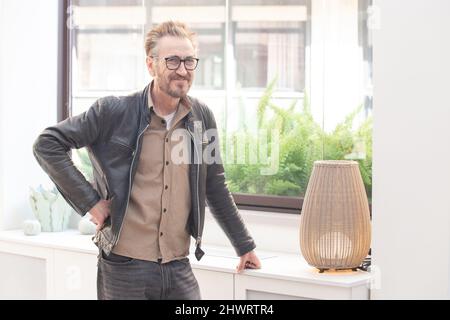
(164,210)
(166,187)
(167,139)
(161,234)
(167,163)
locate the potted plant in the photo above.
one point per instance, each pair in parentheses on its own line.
(50,209)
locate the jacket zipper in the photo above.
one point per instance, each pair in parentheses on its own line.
(129,182)
(199,238)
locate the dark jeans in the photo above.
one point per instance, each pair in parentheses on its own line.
(124,278)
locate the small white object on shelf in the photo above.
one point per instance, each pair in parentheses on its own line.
(85,226)
(31,227)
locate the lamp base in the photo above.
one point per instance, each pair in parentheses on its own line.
(365,265)
(322,270)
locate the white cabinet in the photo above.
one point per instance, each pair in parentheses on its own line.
(60,265)
(215,285)
(75,275)
(64,266)
(22,277)
(24,271)
(259,288)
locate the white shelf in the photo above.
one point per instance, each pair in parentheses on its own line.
(68,240)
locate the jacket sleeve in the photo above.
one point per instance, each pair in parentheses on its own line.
(52,151)
(221,203)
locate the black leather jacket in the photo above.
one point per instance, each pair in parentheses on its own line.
(111,130)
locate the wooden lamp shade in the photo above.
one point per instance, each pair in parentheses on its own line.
(335,230)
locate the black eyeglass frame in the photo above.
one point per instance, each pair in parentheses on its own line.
(179,64)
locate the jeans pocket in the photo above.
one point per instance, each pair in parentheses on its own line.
(115,259)
(183,261)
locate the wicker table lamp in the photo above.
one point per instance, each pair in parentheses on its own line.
(335,227)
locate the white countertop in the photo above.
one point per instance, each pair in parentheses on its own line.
(275,265)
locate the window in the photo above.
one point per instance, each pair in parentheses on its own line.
(289,81)
(105,49)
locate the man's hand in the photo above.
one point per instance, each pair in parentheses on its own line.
(248,261)
(100,212)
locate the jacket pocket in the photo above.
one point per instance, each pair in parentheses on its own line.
(121,143)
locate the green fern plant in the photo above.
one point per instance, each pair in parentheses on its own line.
(302,141)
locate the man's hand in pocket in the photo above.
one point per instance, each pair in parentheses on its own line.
(100,212)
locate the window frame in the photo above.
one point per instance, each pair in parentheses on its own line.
(64,80)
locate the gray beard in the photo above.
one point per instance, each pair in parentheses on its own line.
(173,93)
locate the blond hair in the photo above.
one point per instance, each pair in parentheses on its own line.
(168,28)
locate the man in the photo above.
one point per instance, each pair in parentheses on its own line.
(145,202)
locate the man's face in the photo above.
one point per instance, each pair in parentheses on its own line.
(175,83)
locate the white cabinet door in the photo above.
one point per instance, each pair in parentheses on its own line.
(251,287)
(25,271)
(22,277)
(75,275)
(215,285)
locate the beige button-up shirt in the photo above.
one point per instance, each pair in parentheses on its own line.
(155,223)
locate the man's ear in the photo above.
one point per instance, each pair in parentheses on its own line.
(151,65)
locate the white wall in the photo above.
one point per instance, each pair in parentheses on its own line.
(271,231)
(2,125)
(411,151)
(28,93)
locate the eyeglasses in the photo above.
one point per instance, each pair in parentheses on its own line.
(174,62)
